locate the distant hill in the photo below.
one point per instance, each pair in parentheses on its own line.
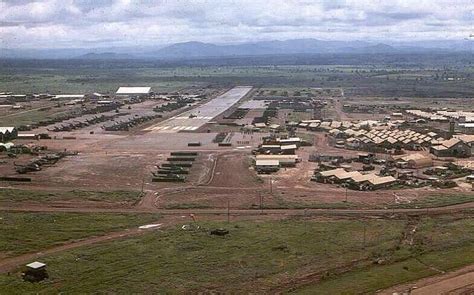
(296,46)
(105,55)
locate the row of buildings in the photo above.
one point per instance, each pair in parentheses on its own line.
(377,136)
(122,92)
(273,163)
(318,125)
(275,153)
(463,121)
(354,179)
(443,115)
(383,138)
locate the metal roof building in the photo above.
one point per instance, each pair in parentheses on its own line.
(267,163)
(69,96)
(133,91)
(36,265)
(8,133)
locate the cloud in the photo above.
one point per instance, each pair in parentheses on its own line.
(89,23)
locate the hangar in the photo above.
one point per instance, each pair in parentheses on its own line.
(133,91)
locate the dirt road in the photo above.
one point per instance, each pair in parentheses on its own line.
(341,115)
(9,264)
(460,281)
(219,211)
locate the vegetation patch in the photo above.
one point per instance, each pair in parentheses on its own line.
(253,257)
(20,195)
(438,200)
(341,257)
(443,243)
(187,206)
(31,232)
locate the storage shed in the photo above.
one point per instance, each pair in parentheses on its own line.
(134,91)
(453,147)
(267,166)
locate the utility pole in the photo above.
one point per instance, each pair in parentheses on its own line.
(365,229)
(143,185)
(261,203)
(346,195)
(271,185)
(228,210)
(394,203)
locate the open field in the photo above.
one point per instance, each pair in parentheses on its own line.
(280,255)
(437,200)
(60,80)
(20,195)
(35,113)
(439,245)
(378,277)
(29,232)
(369,79)
(272,249)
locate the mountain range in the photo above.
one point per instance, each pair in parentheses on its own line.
(192,50)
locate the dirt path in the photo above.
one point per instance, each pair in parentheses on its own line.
(219,211)
(232,171)
(9,264)
(341,115)
(460,281)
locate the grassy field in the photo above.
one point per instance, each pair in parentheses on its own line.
(187,206)
(20,195)
(444,243)
(370,279)
(31,232)
(255,256)
(77,81)
(38,112)
(265,256)
(438,200)
(107,76)
(283,204)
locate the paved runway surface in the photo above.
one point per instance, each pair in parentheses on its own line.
(195,118)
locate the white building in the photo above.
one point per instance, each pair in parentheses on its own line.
(134,91)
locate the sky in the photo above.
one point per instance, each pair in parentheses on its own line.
(122,23)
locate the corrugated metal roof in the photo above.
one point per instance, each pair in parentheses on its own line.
(268,157)
(332,172)
(363,177)
(382,180)
(289,147)
(347,175)
(133,90)
(6,129)
(69,96)
(267,163)
(36,265)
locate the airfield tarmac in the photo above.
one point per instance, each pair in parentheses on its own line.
(193,119)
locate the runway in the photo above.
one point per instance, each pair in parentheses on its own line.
(197,117)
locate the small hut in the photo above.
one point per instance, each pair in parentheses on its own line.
(35,272)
